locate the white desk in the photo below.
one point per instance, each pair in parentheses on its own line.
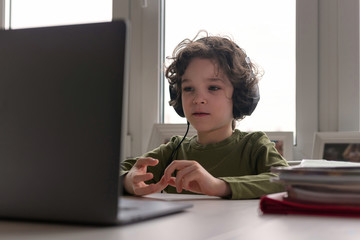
(209,219)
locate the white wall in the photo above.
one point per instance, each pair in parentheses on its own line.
(144,91)
(339,65)
(306,76)
(2,14)
(348,65)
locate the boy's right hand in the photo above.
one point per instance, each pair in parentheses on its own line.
(134,181)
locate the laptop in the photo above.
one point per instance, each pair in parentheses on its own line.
(62,100)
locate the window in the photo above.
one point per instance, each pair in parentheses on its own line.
(266,33)
(145,17)
(38,13)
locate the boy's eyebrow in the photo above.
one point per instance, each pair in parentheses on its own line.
(216,79)
(185,80)
(211,79)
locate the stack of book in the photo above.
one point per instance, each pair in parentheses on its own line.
(316,187)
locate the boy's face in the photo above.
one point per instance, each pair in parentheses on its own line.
(207,97)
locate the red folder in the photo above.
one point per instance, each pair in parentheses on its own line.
(277,204)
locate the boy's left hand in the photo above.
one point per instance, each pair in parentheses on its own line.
(193,177)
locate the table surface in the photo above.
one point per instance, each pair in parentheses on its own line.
(209,218)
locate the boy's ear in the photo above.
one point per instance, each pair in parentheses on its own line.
(178,105)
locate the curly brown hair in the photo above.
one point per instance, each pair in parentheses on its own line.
(244,76)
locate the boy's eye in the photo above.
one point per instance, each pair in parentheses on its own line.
(214,88)
(187,89)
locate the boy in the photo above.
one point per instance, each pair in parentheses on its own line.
(212,84)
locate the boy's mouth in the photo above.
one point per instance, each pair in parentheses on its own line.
(200,114)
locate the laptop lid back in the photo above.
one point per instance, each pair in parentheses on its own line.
(61,99)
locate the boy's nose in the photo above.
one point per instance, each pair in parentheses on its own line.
(198,99)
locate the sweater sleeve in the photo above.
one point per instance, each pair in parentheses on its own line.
(260,155)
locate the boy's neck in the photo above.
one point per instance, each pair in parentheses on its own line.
(216,136)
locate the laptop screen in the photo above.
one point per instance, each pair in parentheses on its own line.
(61,102)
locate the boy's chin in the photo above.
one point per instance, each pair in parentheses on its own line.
(201,127)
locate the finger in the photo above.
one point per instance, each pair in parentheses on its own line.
(178,184)
(193,182)
(151,188)
(142,177)
(148,189)
(161,185)
(171,182)
(176,165)
(183,172)
(154,188)
(182,175)
(143,162)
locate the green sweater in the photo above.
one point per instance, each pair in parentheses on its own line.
(243,160)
